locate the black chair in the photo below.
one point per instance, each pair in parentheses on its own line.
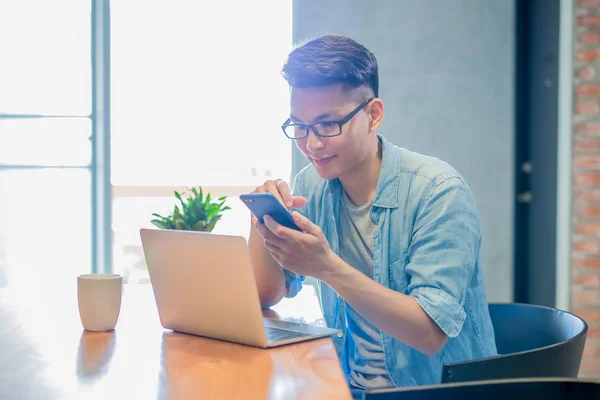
(532,342)
(540,388)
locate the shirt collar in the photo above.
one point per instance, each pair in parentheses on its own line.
(386,195)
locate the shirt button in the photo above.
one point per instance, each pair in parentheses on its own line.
(340,334)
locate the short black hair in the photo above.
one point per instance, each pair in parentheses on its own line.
(329,60)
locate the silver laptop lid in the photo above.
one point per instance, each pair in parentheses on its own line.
(204,284)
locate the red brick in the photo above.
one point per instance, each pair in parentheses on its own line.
(589,38)
(589,367)
(588,228)
(585,298)
(587,161)
(588,262)
(587,108)
(587,146)
(593,331)
(588,128)
(587,247)
(588,55)
(589,281)
(589,315)
(588,3)
(587,211)
(586,73)
(587,195)
(589,179)
(591,350)
(589,20)
(587,90)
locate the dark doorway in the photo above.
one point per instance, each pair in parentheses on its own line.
(537,58)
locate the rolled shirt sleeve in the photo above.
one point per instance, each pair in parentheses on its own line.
(443,253)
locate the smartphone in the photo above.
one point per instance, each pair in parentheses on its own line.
(262,204)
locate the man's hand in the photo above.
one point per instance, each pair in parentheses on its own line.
(281,191)
(306,253)
(270,278)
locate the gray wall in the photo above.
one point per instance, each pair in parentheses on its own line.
(447,80)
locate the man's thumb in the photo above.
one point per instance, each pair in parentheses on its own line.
(305,224)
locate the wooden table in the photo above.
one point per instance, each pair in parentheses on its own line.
(45,353)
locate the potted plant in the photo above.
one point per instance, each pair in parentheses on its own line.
(197,213)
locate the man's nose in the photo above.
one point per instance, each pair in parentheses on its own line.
(314,142)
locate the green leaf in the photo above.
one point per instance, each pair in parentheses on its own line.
(183,205)
(181,225)
(191,214)
(177,195)
(165,224)
(211,212)
(211,225)
(200,226)
(158,223)
(176,212)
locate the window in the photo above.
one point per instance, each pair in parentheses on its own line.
(197,99)
(45,131)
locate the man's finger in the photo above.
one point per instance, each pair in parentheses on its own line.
(285,192)
(267,234)
(298,201)
(273,248)
(305,224)
(276,257)
(278,230)
(271,187)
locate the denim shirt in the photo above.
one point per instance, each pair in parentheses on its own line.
(426,245)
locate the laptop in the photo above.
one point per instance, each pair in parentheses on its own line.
(204,285)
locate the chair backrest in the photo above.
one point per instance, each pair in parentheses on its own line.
(532,342)
(547,389)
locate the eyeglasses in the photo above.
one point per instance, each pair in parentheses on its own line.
(323,129)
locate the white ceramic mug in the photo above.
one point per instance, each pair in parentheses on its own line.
(99,298)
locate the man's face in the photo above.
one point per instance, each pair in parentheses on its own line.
(334,156)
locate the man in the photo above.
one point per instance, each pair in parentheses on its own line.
(393,237)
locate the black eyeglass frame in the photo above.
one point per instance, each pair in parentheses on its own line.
(310,127)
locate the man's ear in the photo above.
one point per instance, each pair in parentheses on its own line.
(376,111)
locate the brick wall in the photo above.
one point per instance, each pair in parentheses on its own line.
(585,255)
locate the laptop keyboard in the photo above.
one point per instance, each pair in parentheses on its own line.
(276,335)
